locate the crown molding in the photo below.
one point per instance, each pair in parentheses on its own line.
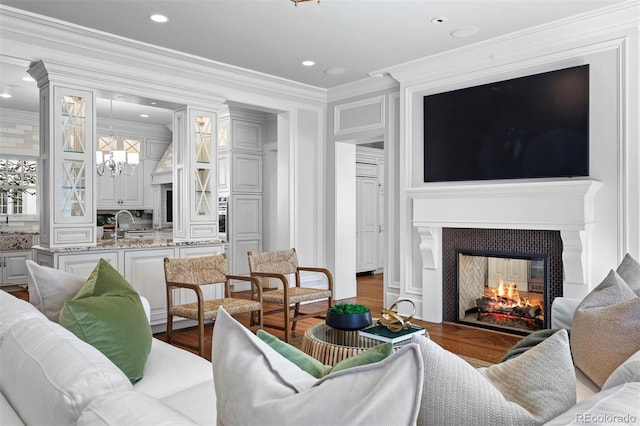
(362,87)
(620,18)
(42,38)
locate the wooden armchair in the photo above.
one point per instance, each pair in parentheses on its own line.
(195,272)
(279,264)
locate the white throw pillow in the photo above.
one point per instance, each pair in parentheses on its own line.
(256,385)
(49,288)
(49,375)
(530,389)
(615,406)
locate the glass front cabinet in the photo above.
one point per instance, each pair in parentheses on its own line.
(195,164)
(66,159)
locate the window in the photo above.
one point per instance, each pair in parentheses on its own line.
(18,180)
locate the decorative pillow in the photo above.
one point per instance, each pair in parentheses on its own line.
(255,383)
(315,367)
(49,288)
(108,314)
(533,388)
(615,406)
(629,270)
(527,343)
(606,328)
(627,372)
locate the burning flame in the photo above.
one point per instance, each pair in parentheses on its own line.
(507,296)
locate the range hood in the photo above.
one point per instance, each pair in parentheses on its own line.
(163,173)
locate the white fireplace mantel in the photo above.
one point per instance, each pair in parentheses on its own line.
(563,205)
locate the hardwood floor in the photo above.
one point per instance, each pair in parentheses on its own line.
(464,340)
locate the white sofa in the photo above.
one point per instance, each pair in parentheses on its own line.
(618,402)
(50,377)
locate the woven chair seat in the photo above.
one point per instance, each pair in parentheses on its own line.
(210,307)
(296,295)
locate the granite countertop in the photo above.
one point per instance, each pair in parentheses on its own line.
(13,240)
(125,243)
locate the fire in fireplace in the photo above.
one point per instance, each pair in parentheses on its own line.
(501,291)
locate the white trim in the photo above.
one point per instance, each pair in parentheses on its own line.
(339,109)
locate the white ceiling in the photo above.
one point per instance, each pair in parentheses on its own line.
(274,36)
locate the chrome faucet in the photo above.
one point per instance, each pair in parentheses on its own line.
(115,234)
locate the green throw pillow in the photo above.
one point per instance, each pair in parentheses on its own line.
(107,313)
(316,368)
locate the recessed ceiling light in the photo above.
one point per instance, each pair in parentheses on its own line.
(153,103)
(156,17)
(439,20)
(308,63)
(5,95)
(334,71)
(144,115)
(28,78)
(464,32)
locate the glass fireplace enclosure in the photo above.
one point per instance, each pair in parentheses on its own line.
(503,291)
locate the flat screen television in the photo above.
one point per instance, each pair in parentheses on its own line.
(529,127)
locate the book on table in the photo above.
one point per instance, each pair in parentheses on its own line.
(383,334)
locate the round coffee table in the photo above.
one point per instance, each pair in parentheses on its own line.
(330,346)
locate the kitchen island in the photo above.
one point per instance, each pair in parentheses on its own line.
(139,261)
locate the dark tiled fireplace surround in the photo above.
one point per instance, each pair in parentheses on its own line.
(521,241)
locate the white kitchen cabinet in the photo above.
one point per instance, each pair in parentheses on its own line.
(144,269)
(13,267)
(246,173)
(366,224)
(121,192)
(224,172)
(509,271)
(83,264)
(246,135)
(66,174)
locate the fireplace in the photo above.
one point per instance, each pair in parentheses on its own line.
(530,259)
(504,291)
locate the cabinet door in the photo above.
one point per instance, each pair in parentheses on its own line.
(246,173)
(144,269)
(246,135)
(224,173)
(83,264)
(15,267)
(131,188)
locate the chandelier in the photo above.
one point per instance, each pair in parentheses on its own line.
(115,162)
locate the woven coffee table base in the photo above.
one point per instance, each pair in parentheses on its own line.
(330,346)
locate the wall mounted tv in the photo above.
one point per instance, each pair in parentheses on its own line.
(529,127)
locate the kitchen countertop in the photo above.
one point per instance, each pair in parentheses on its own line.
(125,243)
(15,240)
